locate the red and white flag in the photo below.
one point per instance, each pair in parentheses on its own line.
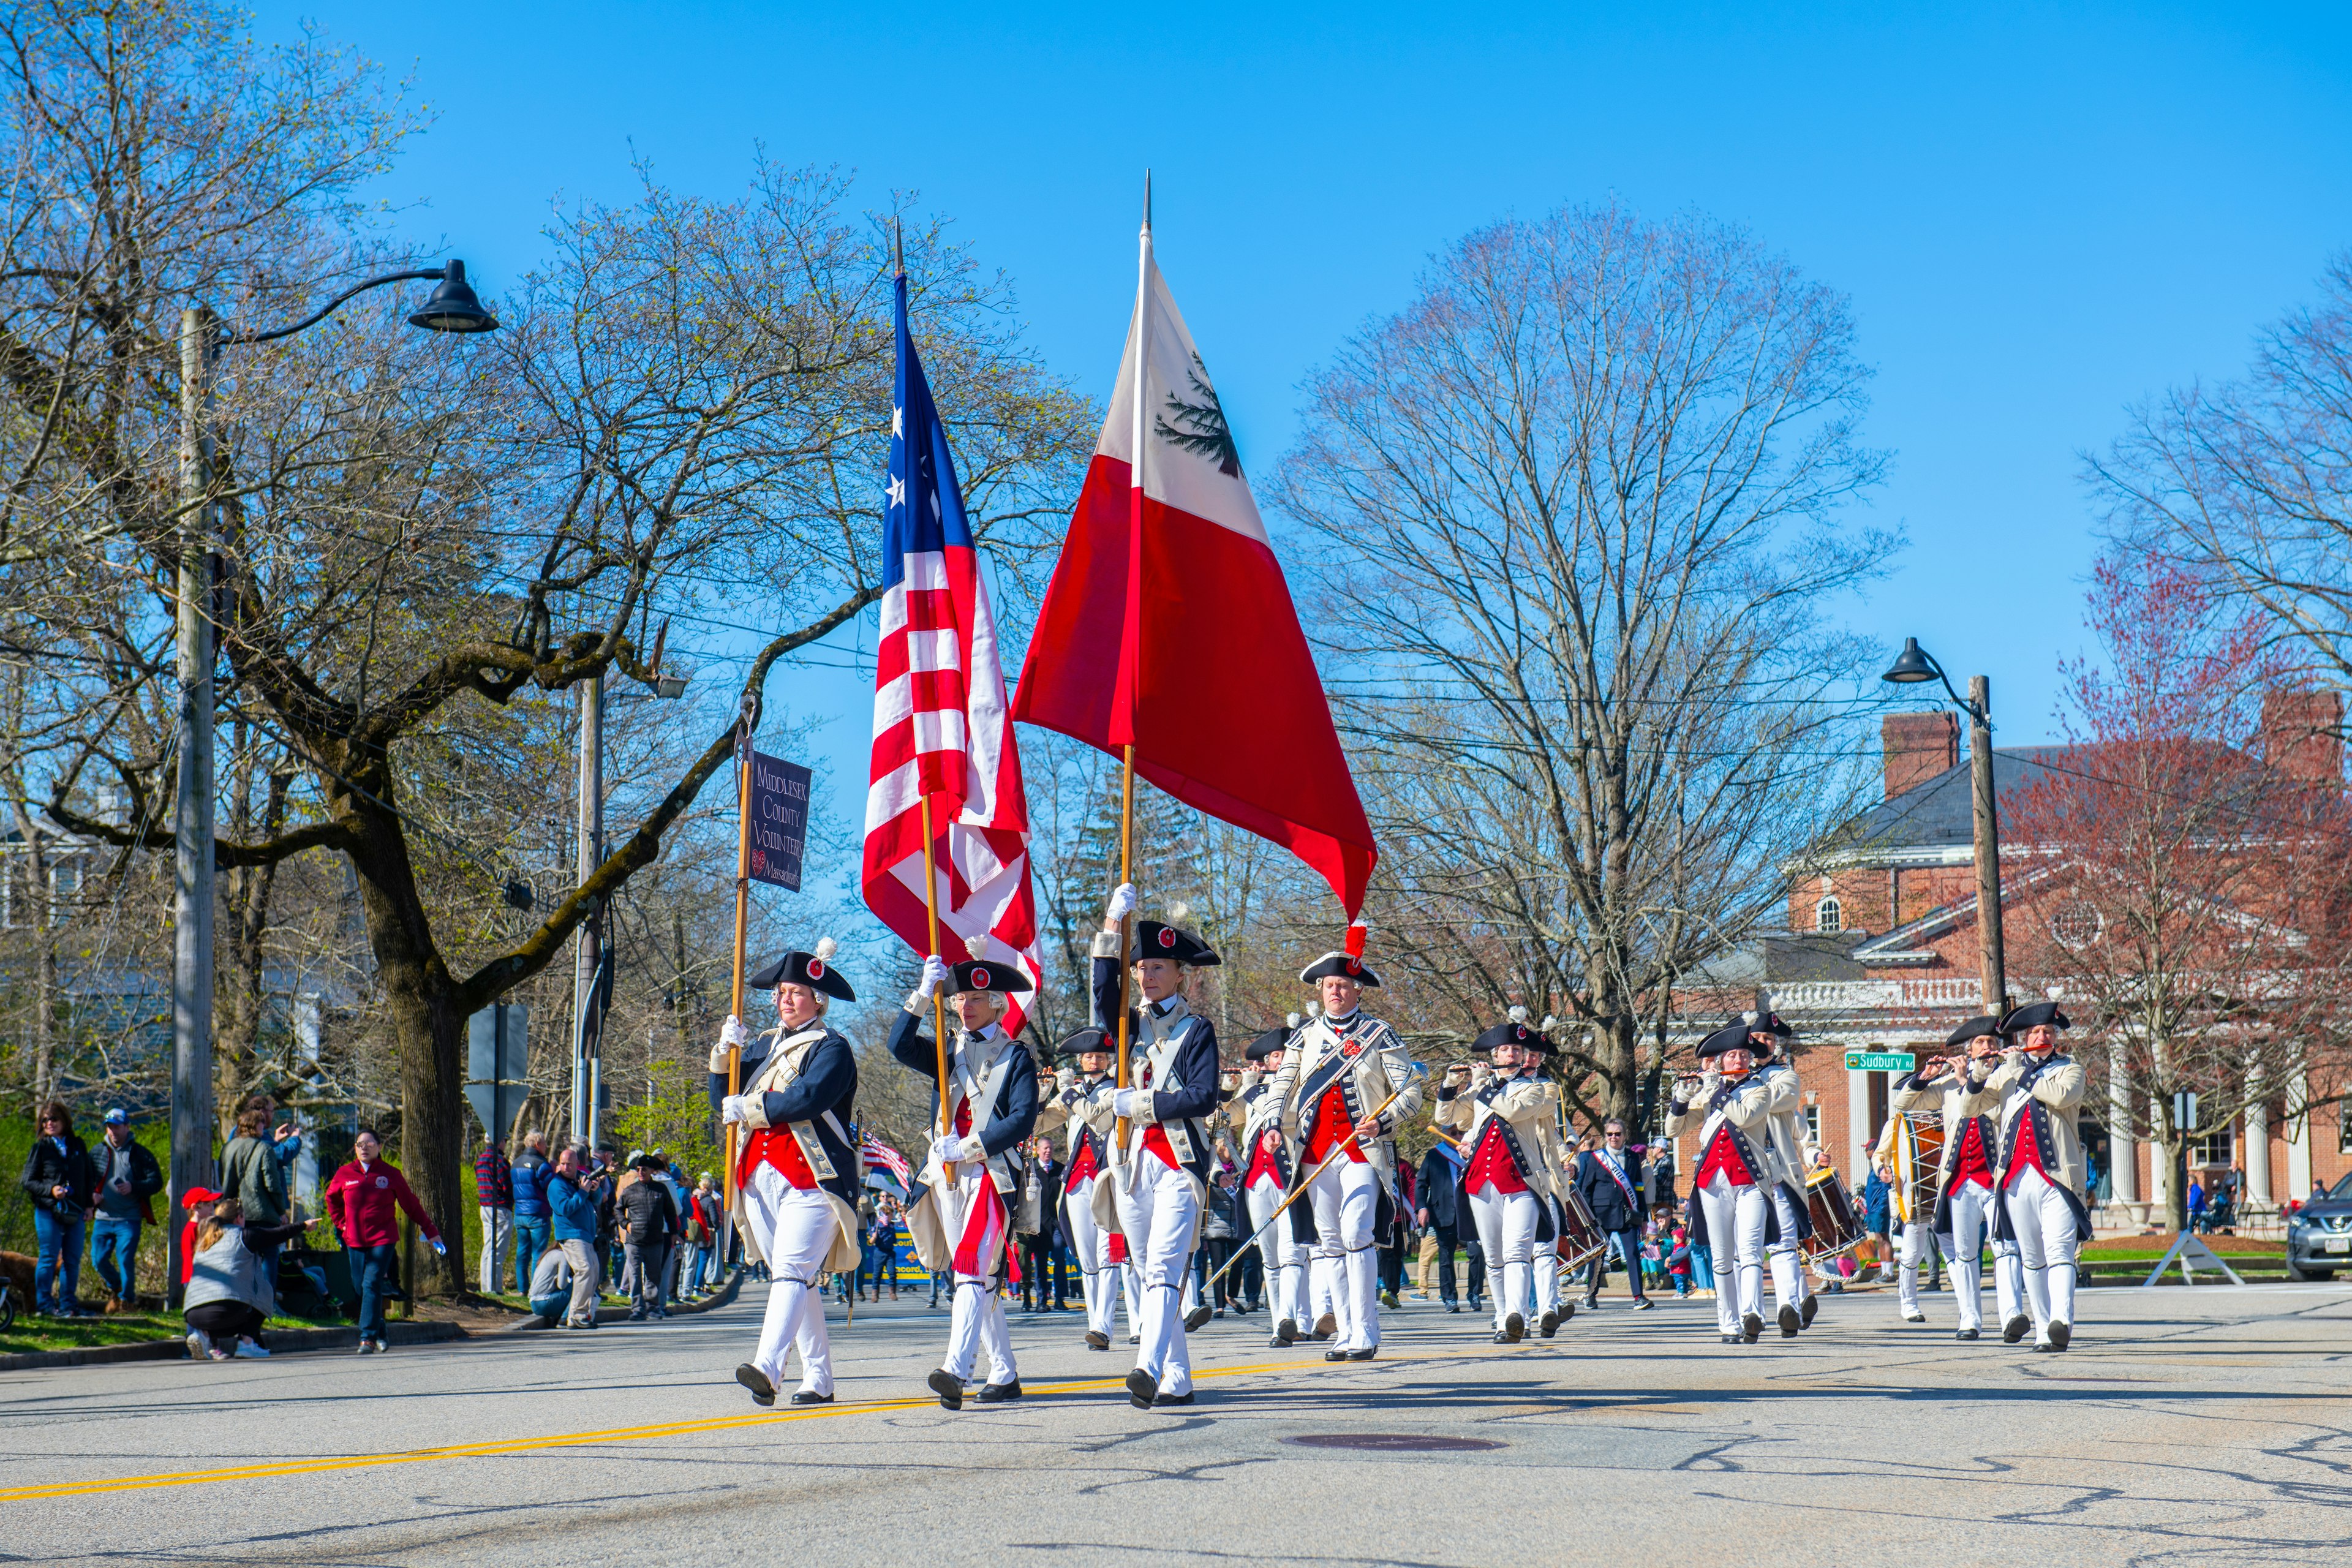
(1168,626)
(940,724)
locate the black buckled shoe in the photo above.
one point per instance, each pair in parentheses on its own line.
(1515,1327)
(1966,1334)
(1751,1327)
(1096,1340)
(1501,1337)
(763,1392)
(1366,1353)
(1790,1321)
(1286,1333)
(998,1392)
(1549,1324)
(2014,1330)
(811,1397)
(948,1387)
(1812,1305)
(2060,1334)
(1325,1326)
(1142,1388)
(1162,1402)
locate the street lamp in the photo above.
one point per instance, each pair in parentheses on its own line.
(452,307)
(1913,666)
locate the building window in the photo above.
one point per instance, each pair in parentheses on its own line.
(1826,916)
(1812,1124)
(2213,1149)
(2343,1131)
(2076,925)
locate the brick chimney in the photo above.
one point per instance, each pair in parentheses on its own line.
(1919,747)
(2302,734)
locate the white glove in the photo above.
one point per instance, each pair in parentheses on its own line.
(935,974)
(731,1032)
(971,1151)
(735,1108)
(944,1147)
(1065,1079)
(1122,902)
(1253,1076)
(1130,1103)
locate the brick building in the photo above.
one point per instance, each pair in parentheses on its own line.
(1881,956)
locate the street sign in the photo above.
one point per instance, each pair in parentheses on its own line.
(1880,1061)
(498,1065)
(780,795)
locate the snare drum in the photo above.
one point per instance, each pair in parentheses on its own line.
(1918,1165)
(1836,1226)
(1580,1234)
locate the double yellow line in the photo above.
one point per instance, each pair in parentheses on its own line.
(272,1470)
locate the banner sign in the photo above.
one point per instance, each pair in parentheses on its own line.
(780,797)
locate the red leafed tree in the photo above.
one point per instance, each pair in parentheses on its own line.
(2186,880)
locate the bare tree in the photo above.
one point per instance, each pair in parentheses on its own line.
(2249,483)
(1578,509)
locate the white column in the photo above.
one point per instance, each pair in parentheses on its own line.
(2298,1138)
(2160,1169)
(1857,1124)
(2123,1149)
(2256,1167)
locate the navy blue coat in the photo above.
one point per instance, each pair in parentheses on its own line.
(828,1082)
(1194,1066)
(1010,1118)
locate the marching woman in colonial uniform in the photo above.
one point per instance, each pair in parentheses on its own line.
(1507,1120)
(1345,1085)
(960,1220)
(2041,1095)
(1160,1182)
(1729,1209)
(799,1171)
(1956,1088)
(1082,1095)
(1792,1298)
(1268,1164)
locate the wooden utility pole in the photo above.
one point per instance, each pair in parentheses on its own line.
(1993,976)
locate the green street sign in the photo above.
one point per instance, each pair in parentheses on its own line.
(1880,1061)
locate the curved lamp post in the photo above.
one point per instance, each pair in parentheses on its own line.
(1912,667)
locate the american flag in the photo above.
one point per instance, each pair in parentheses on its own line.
(940,724)
(877,1153)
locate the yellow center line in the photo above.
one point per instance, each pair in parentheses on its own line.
(271,1470)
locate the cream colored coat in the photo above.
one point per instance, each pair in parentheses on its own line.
(1749,1109)
(1531,1106)
(1957,1098)
(2058,1092)
(783,1066)
(1375,1075)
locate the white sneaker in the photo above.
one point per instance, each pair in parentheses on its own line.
(247,1350)
(200,1344)
(367,1347)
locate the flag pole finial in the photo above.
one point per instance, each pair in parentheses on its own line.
(1147,198)
(898,244)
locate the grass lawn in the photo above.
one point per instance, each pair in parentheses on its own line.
(32,1333)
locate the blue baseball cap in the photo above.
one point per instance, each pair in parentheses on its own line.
(117,1117)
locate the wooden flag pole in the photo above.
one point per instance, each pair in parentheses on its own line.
(1126,874)
(742,917)
(938,1009)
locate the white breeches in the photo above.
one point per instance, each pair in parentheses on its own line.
(1972,1215)
(1159,1214)
(976,1319)
(795,1230)
(1347,1198)
(1506,1233)
(1284,1258)
(1911,1261)
(2044,1223)
(1734,1233)
(1789,1286)
(1091,1245)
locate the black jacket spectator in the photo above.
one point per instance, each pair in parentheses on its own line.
(61,1162)
(1604,1197)
(1439,1189)
(646,1209)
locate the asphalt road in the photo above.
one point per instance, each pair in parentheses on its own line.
(2205,1426)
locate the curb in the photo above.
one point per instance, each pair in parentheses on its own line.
(723,1295)
(283,1342)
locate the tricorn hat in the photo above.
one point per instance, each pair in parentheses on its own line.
(1265,1044)
(1768,1024)
(1732,1036)
(1348,963)
(1984,1025)
(987,974)
(1082,1041)
(1515,1033)
(814,970)
(2033,1014)
(1157,939)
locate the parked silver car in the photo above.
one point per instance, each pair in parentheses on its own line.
(2319,1235)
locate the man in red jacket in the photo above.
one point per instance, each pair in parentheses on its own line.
(361,1201)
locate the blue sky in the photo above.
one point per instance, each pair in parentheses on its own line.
(2041,216)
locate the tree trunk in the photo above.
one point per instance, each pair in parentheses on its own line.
(2173,1150)
(422,998)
